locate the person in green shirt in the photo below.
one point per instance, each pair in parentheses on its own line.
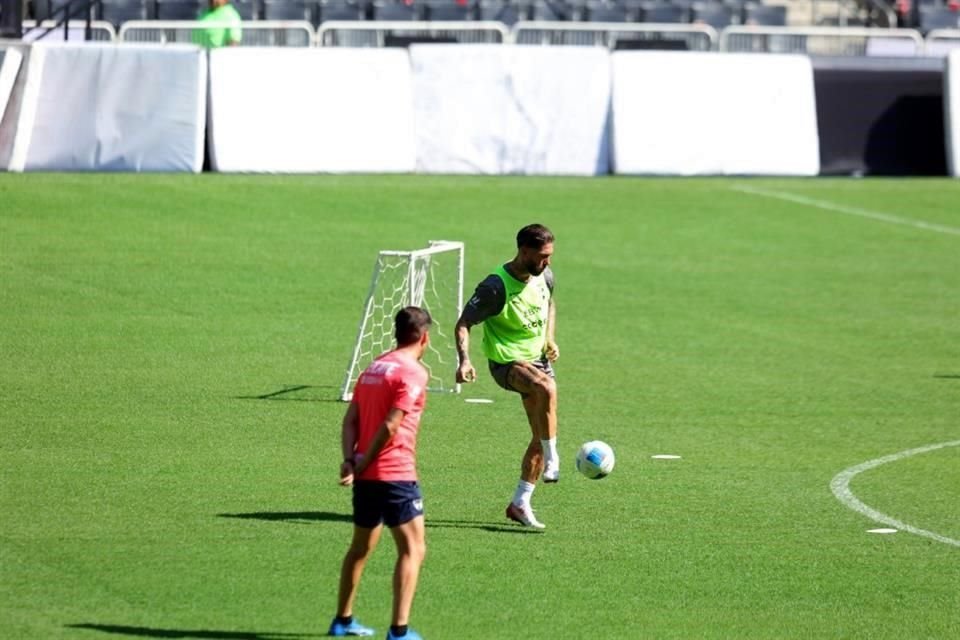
(515,305)
(223,25)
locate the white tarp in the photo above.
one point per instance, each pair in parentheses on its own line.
(311,110)
(9,66)
(951,112)
(89,107)
(502,109)
(679,113)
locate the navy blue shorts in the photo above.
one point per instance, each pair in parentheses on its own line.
(499,371)
(390,503)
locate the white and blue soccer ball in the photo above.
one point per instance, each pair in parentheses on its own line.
(595,459)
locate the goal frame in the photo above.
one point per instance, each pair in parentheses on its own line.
(410,297)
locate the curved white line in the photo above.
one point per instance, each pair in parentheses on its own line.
(840,485)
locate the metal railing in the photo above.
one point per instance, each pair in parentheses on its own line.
(823,41)
(254,33)
(616,35)
(75,31)
(939,42)
(380,33)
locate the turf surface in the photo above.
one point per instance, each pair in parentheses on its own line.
(172,346)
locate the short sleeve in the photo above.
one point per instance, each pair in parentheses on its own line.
(487,300)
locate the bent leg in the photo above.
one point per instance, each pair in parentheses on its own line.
(539,393)
(411,549)
(363,543)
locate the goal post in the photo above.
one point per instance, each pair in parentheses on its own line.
(431,278)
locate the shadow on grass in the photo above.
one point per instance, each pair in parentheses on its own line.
(305,517)
(291,516)
(150,632)
(492,527)
(284,394)
(947,376)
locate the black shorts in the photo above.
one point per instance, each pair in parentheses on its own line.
(390,503)
(499,371)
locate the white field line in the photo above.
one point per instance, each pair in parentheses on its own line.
(840,485)
(851,211)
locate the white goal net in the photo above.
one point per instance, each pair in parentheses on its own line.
(431,278)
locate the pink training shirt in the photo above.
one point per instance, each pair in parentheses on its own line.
(392,381)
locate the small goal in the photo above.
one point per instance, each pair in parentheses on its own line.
(431,278)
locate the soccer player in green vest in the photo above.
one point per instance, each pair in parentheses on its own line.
(515,305)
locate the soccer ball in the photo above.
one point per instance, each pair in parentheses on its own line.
(595,459)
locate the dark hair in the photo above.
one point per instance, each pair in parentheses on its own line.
(534,236)
(410,325)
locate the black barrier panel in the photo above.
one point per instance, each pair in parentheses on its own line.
(880,116)
(11,19)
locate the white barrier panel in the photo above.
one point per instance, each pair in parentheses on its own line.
(311,110)
(89,107)
(951,112)
(714,114)
(503,109)
(9,67)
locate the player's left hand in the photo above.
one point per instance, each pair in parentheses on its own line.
(552,351)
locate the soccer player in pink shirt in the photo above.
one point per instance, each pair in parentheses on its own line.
(379,440)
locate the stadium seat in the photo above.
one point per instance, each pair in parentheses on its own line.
(663,13)
(548,10)
(607,12)
(288,10)
(447,10)
(116,12)
(246,8)
(765,15)
(500,11)
(938,18)
(395,11)
(717,16)
(179,9)
(340,10)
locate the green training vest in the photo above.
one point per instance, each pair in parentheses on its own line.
(519,331)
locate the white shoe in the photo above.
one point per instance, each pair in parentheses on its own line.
(551,473)
(524,515)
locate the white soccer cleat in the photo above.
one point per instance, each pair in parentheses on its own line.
(551,472)
(524,515)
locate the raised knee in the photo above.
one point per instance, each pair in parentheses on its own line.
(546,390)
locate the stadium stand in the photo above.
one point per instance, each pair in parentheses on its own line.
(717,16)
(500,11)
(608,12)
(938,17)
(116,12)
(288,10)
(179,9)
(447,10)
(395,11)
(340,10)
(664,13)
(765,15)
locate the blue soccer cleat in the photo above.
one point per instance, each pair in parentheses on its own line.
(353,629)
(410,635)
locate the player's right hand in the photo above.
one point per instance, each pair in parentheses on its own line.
(466,372)
(346,473)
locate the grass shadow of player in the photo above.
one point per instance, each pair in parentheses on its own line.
(292,393)
(152,632)
(432,523)
(300,517)
(307,517)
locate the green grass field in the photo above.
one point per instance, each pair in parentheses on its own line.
(773,337)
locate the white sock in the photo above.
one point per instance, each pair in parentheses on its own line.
(550,449)
(524,493)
